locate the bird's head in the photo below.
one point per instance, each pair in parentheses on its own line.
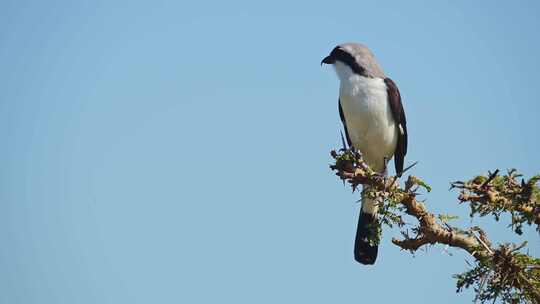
(353,58)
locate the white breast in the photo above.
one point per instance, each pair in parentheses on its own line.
(368,116)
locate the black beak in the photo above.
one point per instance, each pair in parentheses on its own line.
(328,60)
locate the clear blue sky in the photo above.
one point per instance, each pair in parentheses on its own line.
(175,152)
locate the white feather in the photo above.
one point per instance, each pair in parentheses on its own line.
(369,119)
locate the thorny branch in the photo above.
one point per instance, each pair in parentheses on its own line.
(503,193)
(501,272)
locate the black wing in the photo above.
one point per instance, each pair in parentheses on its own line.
(344,123)
(394,98)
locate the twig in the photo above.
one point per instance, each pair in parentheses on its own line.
(490,178)
(409,167)
(483,244)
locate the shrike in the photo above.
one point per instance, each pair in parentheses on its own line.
(374,121)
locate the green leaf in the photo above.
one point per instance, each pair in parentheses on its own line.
(421,183)
(447,217)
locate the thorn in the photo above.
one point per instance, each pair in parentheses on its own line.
(343,141)
(490,178)
(409,167)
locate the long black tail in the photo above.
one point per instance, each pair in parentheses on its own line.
(364,252)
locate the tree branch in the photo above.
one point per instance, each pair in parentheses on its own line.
(502,270)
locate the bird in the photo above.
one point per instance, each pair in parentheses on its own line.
(374,122)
